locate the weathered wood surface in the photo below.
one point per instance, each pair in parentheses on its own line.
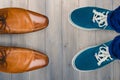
(60,41)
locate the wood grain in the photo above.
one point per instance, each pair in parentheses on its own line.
(60,40)
(5,39)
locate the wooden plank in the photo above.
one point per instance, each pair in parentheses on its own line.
(20,3)
(54,40)
(69,46)
(5,3)
(5,76)
(20,76)
(4,39)
(61,41)
(116,4)
(86,39)
(37,39)
(91,41)
(116,65)
(19,40)
(104,36)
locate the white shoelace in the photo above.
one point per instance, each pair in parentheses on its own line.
(100,18)
(103,54)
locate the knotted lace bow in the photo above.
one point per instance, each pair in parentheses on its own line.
(103,55)
(100,18)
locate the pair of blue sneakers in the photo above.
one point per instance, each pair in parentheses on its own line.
(94,18)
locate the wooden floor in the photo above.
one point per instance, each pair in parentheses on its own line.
(60,41)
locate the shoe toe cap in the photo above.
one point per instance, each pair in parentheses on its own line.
(39,21)
(40,60)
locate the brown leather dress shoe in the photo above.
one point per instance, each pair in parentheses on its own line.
(18,20)
(17,60)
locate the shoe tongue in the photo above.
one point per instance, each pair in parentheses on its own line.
(114,47)
(114,19)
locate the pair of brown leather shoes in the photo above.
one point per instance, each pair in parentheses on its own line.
(17,21)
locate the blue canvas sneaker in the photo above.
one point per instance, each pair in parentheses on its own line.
(97,56)
(94,18)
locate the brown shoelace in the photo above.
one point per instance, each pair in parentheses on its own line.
(3,57)
(3,17)
(3,21)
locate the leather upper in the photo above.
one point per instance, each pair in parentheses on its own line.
(19,20)
(19,60)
